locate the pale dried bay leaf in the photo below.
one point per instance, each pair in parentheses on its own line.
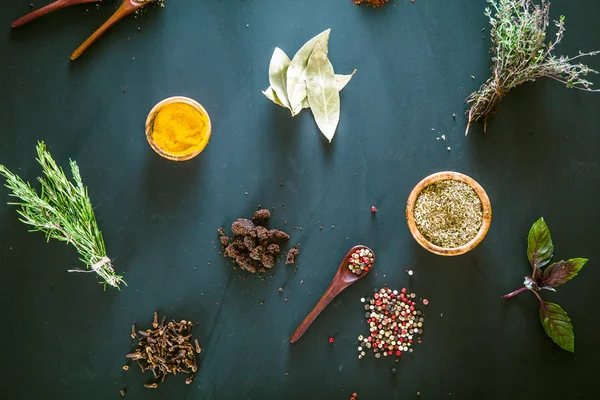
(271,95)
(323,96)
(278,68)
(340,81)
(297,75)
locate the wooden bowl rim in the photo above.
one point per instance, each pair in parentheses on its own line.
(442,176)
(154,112)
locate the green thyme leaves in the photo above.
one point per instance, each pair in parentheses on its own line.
(308,81)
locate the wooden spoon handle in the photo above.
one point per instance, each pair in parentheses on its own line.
(126,8)
(57,5)
(333,290)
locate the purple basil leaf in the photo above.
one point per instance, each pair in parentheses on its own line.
(562,271)
(537,274)
(531,284)
(557,325)
(539,244)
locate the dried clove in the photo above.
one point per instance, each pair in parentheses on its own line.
(166,349)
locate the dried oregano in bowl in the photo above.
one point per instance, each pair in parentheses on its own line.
(448,213)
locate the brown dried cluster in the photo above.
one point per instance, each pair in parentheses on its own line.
(166,349)
(372,3)
(253,247)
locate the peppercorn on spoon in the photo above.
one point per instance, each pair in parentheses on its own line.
(127,7)
(57,5)
(342,279)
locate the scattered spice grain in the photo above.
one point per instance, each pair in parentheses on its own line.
(448,213)
(291,255)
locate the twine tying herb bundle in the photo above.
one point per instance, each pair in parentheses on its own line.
(521,54)
(63,211)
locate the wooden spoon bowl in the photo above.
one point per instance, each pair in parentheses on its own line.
(342,279)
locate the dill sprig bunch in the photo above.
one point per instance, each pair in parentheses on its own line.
(521,54)
(63,211)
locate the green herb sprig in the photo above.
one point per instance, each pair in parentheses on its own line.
(540,250)
(63,211)
(521,54)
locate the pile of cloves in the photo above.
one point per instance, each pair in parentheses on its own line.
(166,349)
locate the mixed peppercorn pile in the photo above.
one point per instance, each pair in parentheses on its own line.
(394,323)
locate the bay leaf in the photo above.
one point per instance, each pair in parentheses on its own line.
(323,96)
(296,74)
(271,95)
(278,68)
(340,81)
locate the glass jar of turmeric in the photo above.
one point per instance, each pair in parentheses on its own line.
(178,128)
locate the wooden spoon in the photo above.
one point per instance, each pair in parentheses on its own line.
(342,279)
(126,8)
(57,5)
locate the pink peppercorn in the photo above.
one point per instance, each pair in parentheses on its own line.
(373,209)
(425,301)
(331,340)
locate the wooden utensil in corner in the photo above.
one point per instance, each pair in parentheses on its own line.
(126,8)
(57,5)
(342,279)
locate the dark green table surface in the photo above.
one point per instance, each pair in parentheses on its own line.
(63,337)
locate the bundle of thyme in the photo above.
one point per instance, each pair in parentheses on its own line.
(63,211)
(521,54)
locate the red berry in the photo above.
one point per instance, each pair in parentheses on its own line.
(398,353)
(331,340)
(403,290)
(373,209)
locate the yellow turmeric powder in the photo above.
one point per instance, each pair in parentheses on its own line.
(180,129)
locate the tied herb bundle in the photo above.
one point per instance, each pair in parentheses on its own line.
(63,211)
(521,54)
(540,250)
(308,81)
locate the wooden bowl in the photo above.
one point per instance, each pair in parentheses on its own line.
(150,123)
(485,223)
